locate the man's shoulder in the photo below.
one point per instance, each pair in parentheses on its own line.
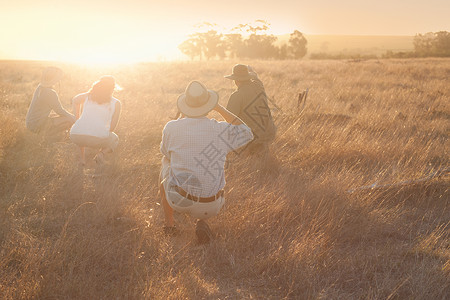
(186,123)
(249,88)
(175,124)
(257,86)
(171,124)
(236,93)
(48,92)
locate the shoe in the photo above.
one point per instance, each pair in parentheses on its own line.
(171,230)
(203,232)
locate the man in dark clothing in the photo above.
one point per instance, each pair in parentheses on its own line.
(45,100)
(249,103)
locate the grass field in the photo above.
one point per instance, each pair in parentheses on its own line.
(290,228)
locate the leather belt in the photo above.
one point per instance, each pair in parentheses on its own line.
(199,199)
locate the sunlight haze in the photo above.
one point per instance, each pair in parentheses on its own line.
(138,30)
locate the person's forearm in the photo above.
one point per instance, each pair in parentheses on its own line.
(62,112)
(228,116)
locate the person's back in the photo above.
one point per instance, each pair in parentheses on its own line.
(95,119)
(197,149)
(44,99)
(249,102)
(97,113)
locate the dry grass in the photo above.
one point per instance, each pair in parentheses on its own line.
(289,229)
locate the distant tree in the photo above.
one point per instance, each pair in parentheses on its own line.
(283,52)
(423,44)
(432,44)
(261,46)
(297,44)
(191,48)
(441,44)
(234,45)
(204,45)
(258,27)
(210,44)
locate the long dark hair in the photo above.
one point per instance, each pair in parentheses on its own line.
(103,89)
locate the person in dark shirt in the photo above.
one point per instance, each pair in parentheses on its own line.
(45,100)
(249,103)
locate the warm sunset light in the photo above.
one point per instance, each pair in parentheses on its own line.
(59,33)
(237,149)
(129,31)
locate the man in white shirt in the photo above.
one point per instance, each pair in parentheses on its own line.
(194,150)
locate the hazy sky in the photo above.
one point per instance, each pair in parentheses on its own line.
(146,29)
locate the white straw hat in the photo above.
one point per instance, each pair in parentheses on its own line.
(197,101)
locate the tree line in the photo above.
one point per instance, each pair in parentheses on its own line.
(431,44)
(246,41)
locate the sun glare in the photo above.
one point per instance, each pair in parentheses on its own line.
(96,40)
(120,53)
(99,59)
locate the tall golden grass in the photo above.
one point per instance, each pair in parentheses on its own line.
(289,230)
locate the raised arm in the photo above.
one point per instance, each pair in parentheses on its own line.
(237,132)
(228,115)
(57,108)
(255,76)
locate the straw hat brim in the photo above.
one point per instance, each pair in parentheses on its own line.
(200,111)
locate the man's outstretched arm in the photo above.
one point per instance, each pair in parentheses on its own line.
(59,109)
(228,115)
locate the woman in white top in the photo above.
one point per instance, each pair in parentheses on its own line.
(97,113)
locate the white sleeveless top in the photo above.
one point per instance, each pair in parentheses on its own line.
(95,119)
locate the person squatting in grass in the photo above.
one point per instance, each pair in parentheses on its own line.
(39,118)
(97,113)
(194,150)
(249,102)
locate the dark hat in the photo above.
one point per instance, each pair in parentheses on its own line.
(240,73)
